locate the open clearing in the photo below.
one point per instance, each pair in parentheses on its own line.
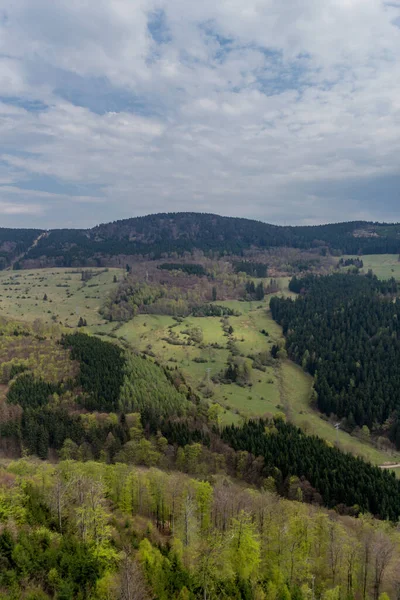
(201,361)
(23,293)
(297,387)
(384,266)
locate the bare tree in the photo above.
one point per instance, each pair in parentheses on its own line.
(188,518)
(335,549)
(59,497)
(132,582)
(383,549)
(366,538)
(222,505)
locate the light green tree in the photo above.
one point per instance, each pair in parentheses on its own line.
(244,546)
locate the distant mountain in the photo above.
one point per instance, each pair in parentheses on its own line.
(166,233)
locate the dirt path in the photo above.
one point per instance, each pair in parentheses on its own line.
(395,466)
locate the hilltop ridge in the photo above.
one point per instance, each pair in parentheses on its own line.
(165,234)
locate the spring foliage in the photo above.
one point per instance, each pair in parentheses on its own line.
(90,531)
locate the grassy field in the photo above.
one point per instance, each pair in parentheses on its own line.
(384,266)
(22,294)
(200,362)
(282,387)
(296,394)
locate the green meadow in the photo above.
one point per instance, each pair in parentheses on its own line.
(384,266)
(62,296)
(282,387)
(56,295)
(166,339)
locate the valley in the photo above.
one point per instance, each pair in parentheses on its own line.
(152,408)
(280,386)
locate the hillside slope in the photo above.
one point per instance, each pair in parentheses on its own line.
(162,234)
(15,242)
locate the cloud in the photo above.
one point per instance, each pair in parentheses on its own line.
(285,112)
(13,208)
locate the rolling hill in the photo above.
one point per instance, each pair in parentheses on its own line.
(163,234)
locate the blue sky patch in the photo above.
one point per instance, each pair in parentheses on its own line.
(158,27)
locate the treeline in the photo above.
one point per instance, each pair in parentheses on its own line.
(259,291)
(132,298)
(255,292)
(351,262)
(90,531)
(343,481)
(345,330)
(254,269)
(189,268)
(348,282)
(213,310)
(273,451)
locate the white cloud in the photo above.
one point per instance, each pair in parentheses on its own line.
(11,77)
(11,208)
(249,104)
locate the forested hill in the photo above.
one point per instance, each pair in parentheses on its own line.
(14,242)
(154,235)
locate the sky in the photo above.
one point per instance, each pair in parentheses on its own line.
(282,111)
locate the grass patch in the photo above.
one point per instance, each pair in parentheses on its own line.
(384,266)
(23,293)
(148,333)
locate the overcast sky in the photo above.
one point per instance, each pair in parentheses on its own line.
(287,111)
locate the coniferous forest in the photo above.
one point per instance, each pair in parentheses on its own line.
(345,330)
(341,479)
